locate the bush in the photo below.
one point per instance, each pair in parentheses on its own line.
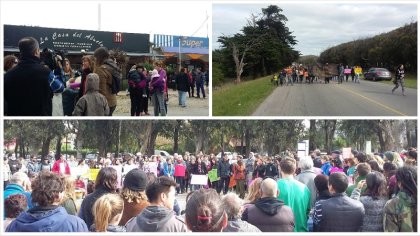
(218,77)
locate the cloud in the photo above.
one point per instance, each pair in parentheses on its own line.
(318,26)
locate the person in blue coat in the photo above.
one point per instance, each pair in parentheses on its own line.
(17,185)
(47,215)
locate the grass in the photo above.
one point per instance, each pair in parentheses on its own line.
(410,81)
(241,99)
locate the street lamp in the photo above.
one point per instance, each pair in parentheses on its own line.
(179,52)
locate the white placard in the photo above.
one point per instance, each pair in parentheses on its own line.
(346,153)
(301,146)
(368,147)
(199,179)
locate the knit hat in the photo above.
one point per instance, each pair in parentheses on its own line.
(135,180)
(389,156)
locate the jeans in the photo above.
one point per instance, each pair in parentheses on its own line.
(180,181)
(182,98)
(200,86)
(224,184)
(399,82)
(159,103)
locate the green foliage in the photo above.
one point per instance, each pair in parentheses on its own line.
(148,66)
(266,42)
(217,75)
(385,50)
(242,99)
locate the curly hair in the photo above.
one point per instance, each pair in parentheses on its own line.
(9,61)
(133,196)
(47,187)
(14,205)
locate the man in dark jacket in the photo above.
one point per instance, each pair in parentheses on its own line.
(182,84)
(159,215)
(339,213)
(29,86)
(47,215)
(270,214)
(224,171)
(271,170)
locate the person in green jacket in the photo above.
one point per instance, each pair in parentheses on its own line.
(294,194)
(363,169)
(400,213)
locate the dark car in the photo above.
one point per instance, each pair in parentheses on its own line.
(378,74)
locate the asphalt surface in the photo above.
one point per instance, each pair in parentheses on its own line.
(347,99)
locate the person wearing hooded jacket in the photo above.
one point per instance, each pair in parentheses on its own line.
(92,103)
(233,206)
(268,213)
(159,215)
(47,215)
(106,70)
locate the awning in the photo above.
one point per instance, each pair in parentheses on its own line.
(203,51)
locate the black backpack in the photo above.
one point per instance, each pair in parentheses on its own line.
(115,86)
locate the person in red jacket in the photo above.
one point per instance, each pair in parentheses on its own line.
(61,166)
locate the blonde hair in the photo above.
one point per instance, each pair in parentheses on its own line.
(133,196)
(69,187)
(254,191)
(105,209)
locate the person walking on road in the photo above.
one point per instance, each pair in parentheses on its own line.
(399,79)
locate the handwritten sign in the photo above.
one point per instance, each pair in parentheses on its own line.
(213,175)
(347,71)
(199,179)
(358,70)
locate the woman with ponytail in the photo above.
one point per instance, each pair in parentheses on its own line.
(400,213)
(107,212)
(205,212)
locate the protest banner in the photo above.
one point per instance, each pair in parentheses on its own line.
(199,179)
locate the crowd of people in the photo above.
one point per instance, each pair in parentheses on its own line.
(320,193)
(310,74)
(34,87)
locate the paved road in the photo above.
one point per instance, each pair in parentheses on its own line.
(348,99)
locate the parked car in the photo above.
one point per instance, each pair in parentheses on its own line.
(378,74)
(230,155)
(92,156)
(162,153)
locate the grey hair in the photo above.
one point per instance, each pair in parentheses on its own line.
(18,178)
(305,163)
(232,204)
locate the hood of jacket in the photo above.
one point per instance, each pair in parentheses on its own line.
(152,218)
(115,70)
(92,84)
(269,205)
(46,219)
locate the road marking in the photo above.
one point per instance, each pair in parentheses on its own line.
(371,100)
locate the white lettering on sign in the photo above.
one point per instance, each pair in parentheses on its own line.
(192,43)
(57,36)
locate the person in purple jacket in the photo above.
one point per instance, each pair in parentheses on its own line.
(157,88)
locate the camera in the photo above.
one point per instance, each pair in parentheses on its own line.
(48,57)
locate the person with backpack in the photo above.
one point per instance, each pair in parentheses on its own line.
(109,77)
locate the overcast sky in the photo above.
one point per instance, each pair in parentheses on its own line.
(117,16)
(319,26)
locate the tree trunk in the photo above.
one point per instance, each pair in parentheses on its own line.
(247,140)
(201,136)
(312,134)
(58,148)
(176,136)
(150,137)
(46,147)
(329,130)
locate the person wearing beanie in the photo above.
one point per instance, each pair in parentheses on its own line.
(133,194)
